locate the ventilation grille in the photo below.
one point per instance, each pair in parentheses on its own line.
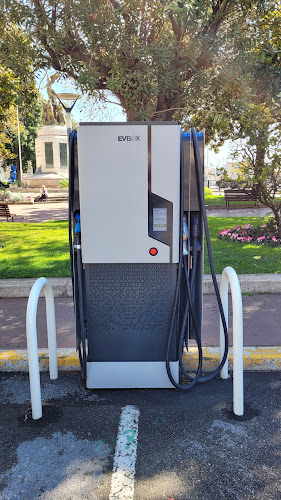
(129,297)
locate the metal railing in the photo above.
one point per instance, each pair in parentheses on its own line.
(32,343)
(229,277)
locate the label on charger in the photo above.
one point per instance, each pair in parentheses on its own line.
(160,219)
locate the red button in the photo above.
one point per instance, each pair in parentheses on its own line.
(153,251)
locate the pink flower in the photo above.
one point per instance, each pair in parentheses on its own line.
(247,226)
(250,238)
(274,238)
(245,239)
(261,238)
(264,225)
(244,232)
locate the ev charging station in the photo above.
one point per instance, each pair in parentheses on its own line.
(136,222)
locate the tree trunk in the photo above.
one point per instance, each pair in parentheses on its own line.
(278,221)
(259,164)
(163,112)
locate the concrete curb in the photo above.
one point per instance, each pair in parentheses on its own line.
(20,288)
(255,359)
(62,287)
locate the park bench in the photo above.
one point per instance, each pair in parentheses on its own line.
(240,195)
(5,212)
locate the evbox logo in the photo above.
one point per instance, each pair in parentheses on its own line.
(128,138)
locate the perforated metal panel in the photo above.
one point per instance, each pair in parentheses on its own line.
(128,311)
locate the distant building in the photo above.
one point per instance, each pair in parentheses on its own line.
(51,147)
(234,169)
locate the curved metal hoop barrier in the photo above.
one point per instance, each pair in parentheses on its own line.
(230,278)
(32,344)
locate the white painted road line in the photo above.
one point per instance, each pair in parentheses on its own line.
(122,482)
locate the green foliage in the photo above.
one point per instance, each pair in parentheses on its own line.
(222,172)
(30,121)
(9,86)
(208,191)
(150,55)
(11,196)
(17,87)
(64,183)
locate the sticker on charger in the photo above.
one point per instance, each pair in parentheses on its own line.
(160,219)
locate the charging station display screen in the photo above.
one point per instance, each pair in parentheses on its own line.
(160,219)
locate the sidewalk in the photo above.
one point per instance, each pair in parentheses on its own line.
(262,342)
(262,319)
(42,212)
(39,212)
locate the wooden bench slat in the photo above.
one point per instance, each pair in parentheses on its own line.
(5,212)
(239,195)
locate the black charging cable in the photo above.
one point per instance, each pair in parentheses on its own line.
(200,184)
(183,263)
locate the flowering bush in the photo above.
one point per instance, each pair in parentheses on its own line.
(12,197)
(258,235)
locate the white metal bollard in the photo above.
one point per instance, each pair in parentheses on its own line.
(229,277)
(32,344)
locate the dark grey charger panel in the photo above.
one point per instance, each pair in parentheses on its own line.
(128,311)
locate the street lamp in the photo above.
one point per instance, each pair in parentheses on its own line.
(68,107)
(20,160)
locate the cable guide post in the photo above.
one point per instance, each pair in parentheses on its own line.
(32,343)
(230,278)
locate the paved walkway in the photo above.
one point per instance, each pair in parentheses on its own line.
(238,212)
(262,319)
(42,212)
(39,212)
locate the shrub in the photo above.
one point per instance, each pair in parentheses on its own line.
(64,183)
(257,235)
(12,197)
(208,192)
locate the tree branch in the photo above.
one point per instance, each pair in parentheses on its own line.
(117,6)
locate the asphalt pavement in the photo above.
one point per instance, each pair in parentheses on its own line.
(186,446)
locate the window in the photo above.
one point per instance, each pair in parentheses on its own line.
(63,155)
(49,156)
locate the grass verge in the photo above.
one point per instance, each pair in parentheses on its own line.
(220,200)
(34,250)
(238,255)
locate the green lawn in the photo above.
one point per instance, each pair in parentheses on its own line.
(240,256)
(215,200)
(220,200)
(34,250)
